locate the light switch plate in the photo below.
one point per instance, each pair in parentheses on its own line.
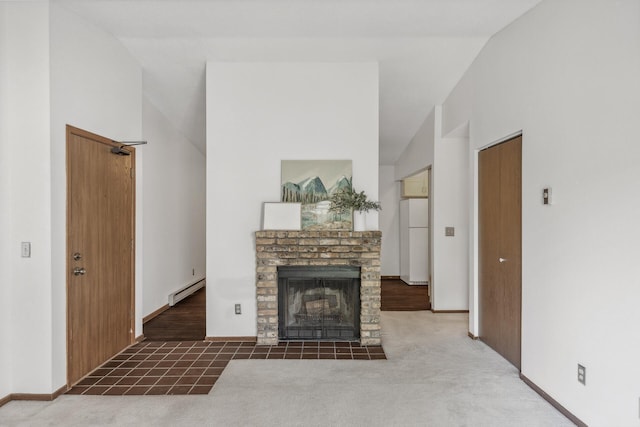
(25,249)
(449,231)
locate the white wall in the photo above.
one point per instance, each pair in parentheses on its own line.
(419,153)
(97,86)
(174,210)
(5,213)
(573,90)
(450,255)
(26,197)
(257,115)
(389,221)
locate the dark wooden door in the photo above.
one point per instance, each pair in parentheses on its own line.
(500,247)
(100,254)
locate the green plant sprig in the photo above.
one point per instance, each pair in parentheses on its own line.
(347,199)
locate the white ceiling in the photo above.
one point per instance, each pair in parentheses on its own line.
(423,47)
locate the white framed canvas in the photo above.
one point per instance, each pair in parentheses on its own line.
(281,216)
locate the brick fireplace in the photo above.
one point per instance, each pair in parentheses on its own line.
(318,248)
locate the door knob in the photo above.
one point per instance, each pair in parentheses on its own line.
(502,259)
(79,271)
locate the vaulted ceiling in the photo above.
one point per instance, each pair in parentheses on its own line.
(423,47)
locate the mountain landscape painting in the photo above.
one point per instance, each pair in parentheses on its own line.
(312,182)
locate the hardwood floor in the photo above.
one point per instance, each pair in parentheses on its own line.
(398,296)
(185,321)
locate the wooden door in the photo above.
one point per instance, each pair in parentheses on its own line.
(500,247)
(100,252)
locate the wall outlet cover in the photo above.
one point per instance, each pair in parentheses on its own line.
(582,374)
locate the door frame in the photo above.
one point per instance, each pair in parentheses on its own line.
(431,288)
(71,130)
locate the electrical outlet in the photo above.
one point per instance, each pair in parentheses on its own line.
(449,231)
(582,374)
(238,309)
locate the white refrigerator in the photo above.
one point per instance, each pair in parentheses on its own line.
(414,241)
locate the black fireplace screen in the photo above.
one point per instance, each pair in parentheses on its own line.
(319,303)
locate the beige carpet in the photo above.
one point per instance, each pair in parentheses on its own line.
(434,376)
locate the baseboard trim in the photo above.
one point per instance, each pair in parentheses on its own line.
(231,339)
(564,411)
(58,392)
(156,313)
(389,277)
(34,396)
(473,337)
(449,311)
(5,400)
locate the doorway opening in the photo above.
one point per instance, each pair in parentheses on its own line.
(413,290)
(185,321)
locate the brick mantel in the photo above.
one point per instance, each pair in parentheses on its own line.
(318,248)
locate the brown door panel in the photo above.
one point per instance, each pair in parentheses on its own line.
(500,247)
(100,257)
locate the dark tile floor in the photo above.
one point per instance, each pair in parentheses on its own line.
(193,367)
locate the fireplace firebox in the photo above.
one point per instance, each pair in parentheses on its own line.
(319,303)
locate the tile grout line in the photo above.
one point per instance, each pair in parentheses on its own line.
(147,358)
(191,366)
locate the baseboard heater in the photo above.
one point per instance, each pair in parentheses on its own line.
(185,291)
(406,280)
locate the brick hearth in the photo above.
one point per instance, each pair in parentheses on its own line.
(318,248)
